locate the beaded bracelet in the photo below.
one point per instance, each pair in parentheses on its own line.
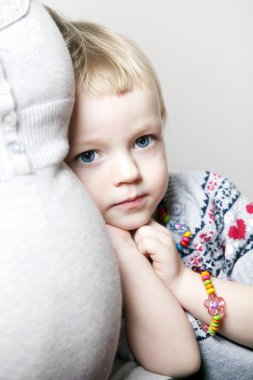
(215,305)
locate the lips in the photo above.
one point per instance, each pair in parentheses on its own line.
(131,201)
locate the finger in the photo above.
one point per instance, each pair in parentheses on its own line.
(119,238)
(150,231)
(153,223)
(154,248)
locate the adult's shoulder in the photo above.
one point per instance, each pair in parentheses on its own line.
(12,11)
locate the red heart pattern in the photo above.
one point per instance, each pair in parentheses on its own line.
(237,232)
(249,208)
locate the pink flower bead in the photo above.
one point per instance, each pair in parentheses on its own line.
(215,305)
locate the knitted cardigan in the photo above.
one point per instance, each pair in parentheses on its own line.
(221,223)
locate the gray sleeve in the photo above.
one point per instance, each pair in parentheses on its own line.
(129,370)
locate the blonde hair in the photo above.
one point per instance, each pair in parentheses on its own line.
(105,61)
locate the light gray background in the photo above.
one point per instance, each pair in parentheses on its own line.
(203,53)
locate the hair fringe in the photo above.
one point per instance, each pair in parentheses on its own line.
(104,61)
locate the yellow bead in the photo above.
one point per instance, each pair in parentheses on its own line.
(205,273)
(187,234)
(210,291)
(211,331)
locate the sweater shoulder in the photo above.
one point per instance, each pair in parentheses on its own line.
(206,182)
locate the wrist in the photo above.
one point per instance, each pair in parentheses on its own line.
(184,284)
(193,292)
(177,284)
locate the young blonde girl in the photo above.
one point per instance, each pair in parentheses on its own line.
(175,256)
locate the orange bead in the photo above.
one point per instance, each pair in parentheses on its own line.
(213,328)
(205,273)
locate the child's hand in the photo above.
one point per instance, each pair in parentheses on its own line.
(124,246)
(156,242)
(121,239)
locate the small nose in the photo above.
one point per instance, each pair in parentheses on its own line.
(125,170)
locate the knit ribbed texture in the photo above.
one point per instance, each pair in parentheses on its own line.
(37,90)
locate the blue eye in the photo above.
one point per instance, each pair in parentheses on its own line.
(143,141)
(87,157)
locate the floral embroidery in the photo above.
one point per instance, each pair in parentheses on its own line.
(198,247)
(195,260)
(206,237)
(212,184)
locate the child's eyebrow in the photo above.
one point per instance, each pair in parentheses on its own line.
(83,139)
(154,124)
(82,145)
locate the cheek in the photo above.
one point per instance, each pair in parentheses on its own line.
(84,178)
(92,184)
(157,170)
(78,172)
(161,178)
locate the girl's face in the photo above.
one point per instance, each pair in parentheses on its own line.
(117,151)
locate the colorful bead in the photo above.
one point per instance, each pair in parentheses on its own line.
(215,324)
(179,247)
(175,226)
(205,273)
(166,219)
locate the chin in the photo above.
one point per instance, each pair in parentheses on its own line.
(132,224)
